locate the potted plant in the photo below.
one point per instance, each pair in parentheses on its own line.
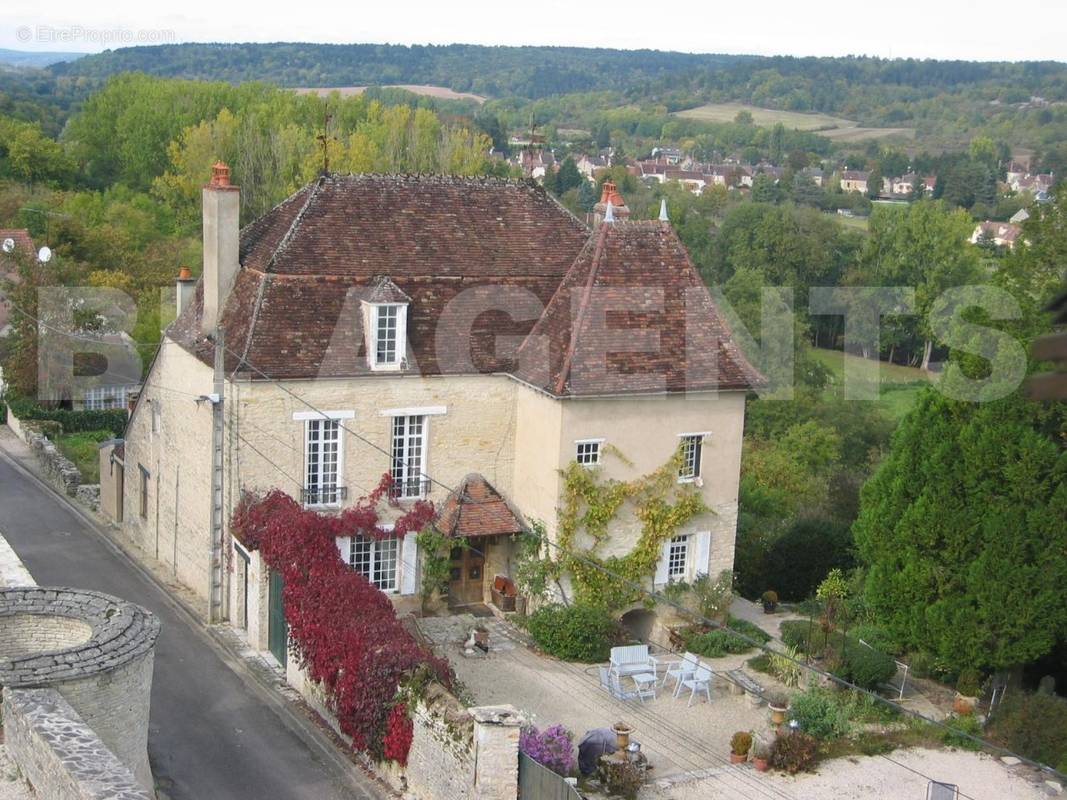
(622,734)
(778,702)
(968,687)
(761,754)
(740,743)
(770,601)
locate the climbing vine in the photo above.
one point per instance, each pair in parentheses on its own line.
(590,503)
(343,631)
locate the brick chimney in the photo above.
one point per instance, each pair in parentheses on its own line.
(221,243)
(186,285)
(610,194)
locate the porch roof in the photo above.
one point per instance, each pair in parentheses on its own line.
(476,509)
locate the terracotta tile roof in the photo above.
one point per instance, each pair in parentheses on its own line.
(633,315)
(504,251)
(476,509)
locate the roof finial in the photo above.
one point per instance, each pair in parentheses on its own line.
(663,210)
(609,213)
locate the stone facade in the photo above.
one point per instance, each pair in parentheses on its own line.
(61,756)
(94,650)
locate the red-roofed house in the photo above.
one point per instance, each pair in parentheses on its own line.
(1002,234)
(431,328)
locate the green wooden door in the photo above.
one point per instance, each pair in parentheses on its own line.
(277,629)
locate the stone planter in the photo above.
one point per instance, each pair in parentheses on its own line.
(778,714)
(622,734)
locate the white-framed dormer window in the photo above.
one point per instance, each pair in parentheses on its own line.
(692,452)
(377,560)
(323,457)
(678,558)
(387,345)
(587,452)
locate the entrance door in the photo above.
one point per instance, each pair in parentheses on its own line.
(277,628)
(466,577)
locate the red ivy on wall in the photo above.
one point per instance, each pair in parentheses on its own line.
(399,731)
(343,630)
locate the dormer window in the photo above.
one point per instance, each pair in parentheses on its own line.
(388,335)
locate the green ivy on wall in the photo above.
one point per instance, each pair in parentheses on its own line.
(590,503)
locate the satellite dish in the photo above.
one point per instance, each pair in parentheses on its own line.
(44,255)
(9,245)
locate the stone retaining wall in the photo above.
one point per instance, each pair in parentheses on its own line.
(59,470)
(61,756)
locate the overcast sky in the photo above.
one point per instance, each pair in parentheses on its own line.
(966,29)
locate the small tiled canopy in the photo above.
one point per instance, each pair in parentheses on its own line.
(476,509)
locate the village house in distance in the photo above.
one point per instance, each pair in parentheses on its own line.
(452,332)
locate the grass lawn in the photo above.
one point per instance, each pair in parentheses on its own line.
(898,385)
(855,223)
(81,448)
(725,112)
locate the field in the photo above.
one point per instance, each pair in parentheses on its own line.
(898,386)
(442,92)
(852,223)
(837,128)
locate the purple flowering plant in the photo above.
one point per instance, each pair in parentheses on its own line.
(553,748)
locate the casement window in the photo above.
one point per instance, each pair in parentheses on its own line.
(376,560)
(144,491)
(678,558)
(103,398)
(587,452)
(387,345)
(323,457)
(692,450)
(409,456)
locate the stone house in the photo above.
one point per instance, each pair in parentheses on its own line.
(854,180)
(448,332)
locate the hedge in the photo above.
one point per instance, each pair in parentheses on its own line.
(113,420)
(574,633)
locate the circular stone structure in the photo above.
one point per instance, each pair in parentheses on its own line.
(96,650)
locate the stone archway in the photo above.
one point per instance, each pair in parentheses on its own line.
(639,623)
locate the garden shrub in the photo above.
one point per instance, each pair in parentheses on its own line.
(1034,725)
(963,724)
(866,667)
(876,636)
(820,714)
(574,633)
(721,641)
(794,752)
(552,748)
(806,551)
(806,637)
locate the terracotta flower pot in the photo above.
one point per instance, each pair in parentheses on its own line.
(761,764)
(778,715)
(737,759)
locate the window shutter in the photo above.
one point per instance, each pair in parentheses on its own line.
(344,547)
(661,567)
(409,558)
(703,555)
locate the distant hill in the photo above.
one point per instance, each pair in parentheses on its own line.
(36,60)
(486,71)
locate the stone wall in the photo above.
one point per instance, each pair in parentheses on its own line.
(58,469)
(61,756)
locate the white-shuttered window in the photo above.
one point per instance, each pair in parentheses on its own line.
(692,450)
(376,560)
(678,558)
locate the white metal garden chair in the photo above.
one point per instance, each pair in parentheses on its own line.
(700,682)
(681,670)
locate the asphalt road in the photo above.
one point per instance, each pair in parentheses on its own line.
(210,735)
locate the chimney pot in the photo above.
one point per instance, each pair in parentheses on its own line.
(220,174)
